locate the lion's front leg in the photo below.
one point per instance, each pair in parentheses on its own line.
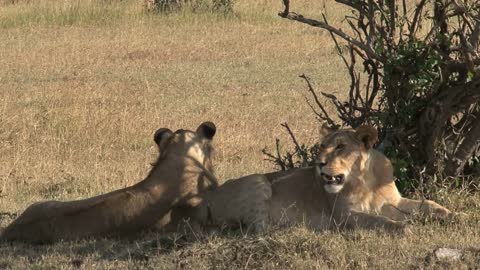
(394,213)
(354,220)
(425,207)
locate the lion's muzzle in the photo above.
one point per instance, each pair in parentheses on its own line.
(338,179)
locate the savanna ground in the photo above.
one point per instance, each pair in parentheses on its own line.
(84,84)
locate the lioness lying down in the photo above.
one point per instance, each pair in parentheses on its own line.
(352,187)
(182,170)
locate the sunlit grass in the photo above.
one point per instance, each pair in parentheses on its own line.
(84,84)
(67,13)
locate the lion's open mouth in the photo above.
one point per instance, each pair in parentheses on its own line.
(338,179)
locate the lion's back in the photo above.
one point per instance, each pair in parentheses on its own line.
(244,200)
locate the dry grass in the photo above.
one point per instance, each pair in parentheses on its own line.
(84,84)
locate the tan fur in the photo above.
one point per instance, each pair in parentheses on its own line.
(245,201)
(368,197)
(183,170)
(237,203)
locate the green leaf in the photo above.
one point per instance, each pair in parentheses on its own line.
(470,76)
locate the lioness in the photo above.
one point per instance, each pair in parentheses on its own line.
(352,187)
(182,170)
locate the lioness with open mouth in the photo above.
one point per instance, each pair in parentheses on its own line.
(352,187)
(183,169)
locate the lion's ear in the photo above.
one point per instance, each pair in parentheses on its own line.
(368,135)
(207,130)
(325,130)
(161,135)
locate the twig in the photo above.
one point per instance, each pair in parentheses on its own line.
(475,36)
(371,16)
(368,50)
(357,5)
(416,17)
(465,51)
(319,115)
(285,125)
(337,46)
(404,9)
(248,261)
(317,101)
(284,13)
(354,28)
(279,157)
(392,23)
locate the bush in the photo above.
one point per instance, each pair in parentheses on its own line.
(415,75)
(166,6)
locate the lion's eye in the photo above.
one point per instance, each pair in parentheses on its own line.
(340,147)
(322,146)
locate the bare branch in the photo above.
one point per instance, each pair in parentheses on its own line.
(368,50)
(357,5)
(298,148)
(392,23)
(277,160)
(337,46)
(371,17)
(319,115)
(317,101)
(286,4)
(404,9)
(466,49)
(475,36)
(460,66)
(285,125)
(413,27)
(465,150)
(279,156)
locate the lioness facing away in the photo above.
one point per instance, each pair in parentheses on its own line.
(352,187)
(182,170)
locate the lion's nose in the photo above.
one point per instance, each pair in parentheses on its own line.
(340,178)
(322,163)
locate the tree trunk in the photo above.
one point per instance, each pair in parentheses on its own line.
(465,151)
(433,120)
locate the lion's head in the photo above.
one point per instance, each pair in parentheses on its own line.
(343,155)
(188,147)
(194,144)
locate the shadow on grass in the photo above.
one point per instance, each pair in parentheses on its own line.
(294,247)
(104,248)
(139,247)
